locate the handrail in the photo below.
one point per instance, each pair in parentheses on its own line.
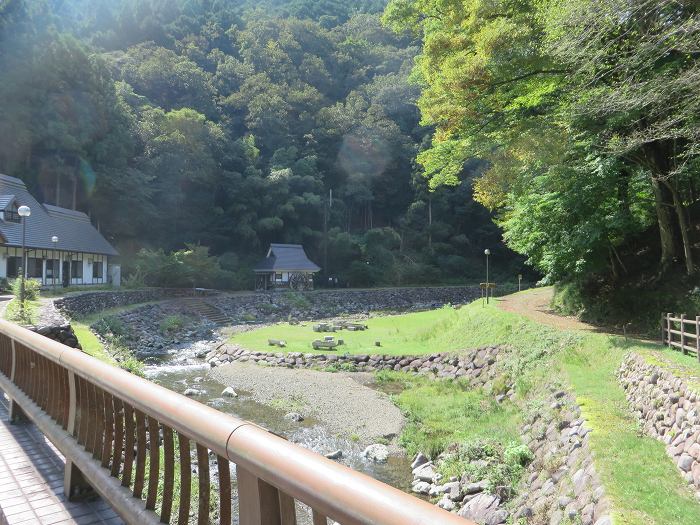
(79,400)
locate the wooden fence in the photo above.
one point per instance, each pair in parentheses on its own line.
(681,333)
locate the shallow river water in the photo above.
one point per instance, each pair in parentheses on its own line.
(180,369)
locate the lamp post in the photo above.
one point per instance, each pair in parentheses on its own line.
(54,240)
(23,212)
(487,252)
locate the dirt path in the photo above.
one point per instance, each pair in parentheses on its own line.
(341,403)
(534,304)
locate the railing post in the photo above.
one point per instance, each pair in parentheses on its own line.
(74,483)
(663,329)
(697,336)
(669,335)
(683,349)
(16,412)
(258,501)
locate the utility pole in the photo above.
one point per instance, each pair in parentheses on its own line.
(327,204)
(487,252)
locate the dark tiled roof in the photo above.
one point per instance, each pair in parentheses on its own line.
(74,230)
(286,258)
(5,200)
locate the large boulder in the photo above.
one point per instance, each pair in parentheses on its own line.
(484,510)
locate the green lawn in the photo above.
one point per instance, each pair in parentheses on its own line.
(414,333)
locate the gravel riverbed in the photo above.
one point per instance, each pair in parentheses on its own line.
(343,405)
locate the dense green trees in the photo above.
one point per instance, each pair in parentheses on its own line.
(585,113)
(228,125)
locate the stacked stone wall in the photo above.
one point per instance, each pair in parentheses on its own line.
(561,484)
(91,302)
(668,409)
(479,366)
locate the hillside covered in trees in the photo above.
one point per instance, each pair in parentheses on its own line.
(228,125)
(585,113)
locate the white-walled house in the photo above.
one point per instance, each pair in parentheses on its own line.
(81,256)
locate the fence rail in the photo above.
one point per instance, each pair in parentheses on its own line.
(675,333)
(138,445)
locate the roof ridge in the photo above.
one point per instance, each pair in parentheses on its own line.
(12,181)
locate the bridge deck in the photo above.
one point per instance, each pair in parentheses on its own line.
(31,480)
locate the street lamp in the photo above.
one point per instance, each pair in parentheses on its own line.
(487,252)
(54,240)
(23,212)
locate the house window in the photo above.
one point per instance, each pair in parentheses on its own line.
(97,268)
(11,215)
(34,267)
(50,265)
(278,276)
(13,266)
(76,269)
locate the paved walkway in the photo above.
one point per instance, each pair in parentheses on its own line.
(31,480)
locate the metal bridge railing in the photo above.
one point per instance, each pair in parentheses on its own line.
(158,456)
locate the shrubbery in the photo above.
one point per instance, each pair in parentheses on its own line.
(188,268)
(26,313)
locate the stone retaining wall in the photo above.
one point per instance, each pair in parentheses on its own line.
(668,409)
(322,304)
(479,366)
(561,484)
(91,302)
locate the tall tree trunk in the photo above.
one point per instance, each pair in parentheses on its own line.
(664,216)
(683,223)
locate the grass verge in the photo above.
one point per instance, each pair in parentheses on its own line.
(642,483)
(440,413)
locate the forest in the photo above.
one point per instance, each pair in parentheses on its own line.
(585,115)
(230,125)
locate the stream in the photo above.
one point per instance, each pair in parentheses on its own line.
(180,368)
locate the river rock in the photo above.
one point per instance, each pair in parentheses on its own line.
(337,454)
(193,392)
(377,453)
(425,472)
(294,416)
(419,460)
(481,508)
(229,392)
(420,487)
(446,504)
(475,488)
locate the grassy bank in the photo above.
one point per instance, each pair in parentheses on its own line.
(444,412)
(114,352)
(641,481)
